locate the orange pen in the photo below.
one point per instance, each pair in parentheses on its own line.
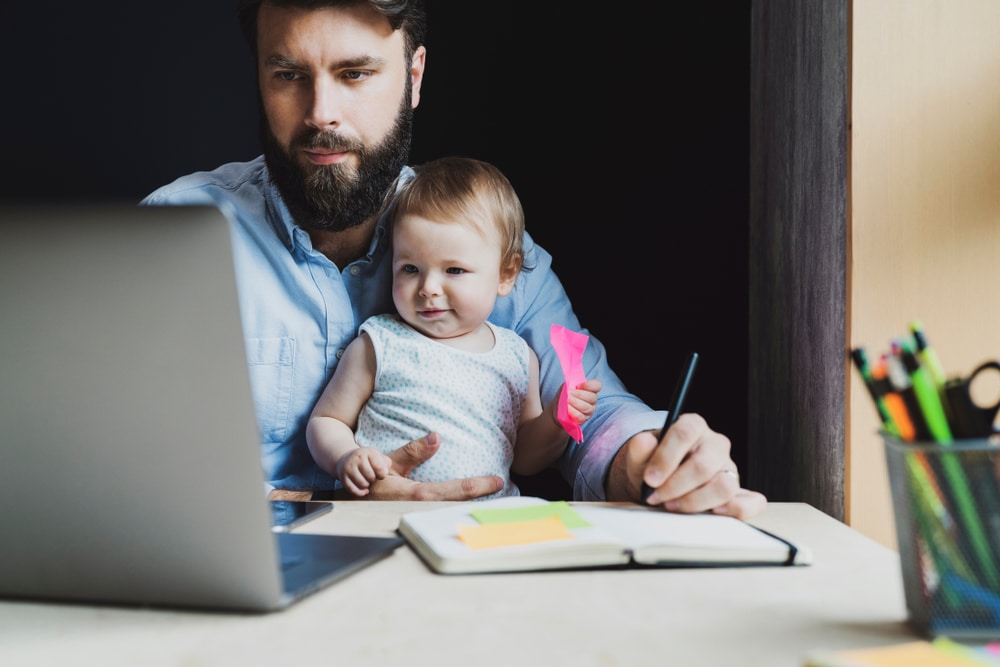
(893,402)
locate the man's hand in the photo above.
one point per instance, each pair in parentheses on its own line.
(396,486)
(689,471)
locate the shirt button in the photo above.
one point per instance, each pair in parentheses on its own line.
(340,353)
(355,270)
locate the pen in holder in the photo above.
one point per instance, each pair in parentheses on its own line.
(946,504)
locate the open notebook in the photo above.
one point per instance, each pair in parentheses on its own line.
(522,533)
(130,467)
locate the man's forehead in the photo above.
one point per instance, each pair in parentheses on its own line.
(345,28)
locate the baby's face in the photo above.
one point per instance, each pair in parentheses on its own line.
(445,276)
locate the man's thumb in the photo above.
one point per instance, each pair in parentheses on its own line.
(415,452)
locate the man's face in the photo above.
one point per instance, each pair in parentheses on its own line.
(338,98)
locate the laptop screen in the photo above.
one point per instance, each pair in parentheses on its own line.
(131,466)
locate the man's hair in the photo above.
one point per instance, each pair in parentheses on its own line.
(406,15)
(470,192)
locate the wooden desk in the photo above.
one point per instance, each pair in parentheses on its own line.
(398,613)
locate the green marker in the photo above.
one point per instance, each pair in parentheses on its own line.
(928,356)
(927,395)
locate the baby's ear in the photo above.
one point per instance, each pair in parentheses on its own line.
(508,275)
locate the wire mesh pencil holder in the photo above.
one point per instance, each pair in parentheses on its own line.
(946,504)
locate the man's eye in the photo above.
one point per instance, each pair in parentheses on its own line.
(287,76)
(357,74)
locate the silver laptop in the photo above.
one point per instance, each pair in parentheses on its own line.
(130,469)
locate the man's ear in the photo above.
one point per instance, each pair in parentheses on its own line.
(417,74)
(508,276)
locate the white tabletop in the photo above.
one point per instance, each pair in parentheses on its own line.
(397,612)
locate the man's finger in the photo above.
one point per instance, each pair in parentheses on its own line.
(400,488)
(413,453)
(459,489)
(744,505)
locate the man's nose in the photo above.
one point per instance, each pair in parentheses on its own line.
(326,109)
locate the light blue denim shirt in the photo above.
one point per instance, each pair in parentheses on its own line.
(300,311)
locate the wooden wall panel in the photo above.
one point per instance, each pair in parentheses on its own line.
(798,251)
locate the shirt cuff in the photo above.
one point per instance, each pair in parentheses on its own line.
(602,444)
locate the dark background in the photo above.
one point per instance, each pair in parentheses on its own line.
(626,136)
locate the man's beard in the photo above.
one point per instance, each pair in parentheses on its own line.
(335,197)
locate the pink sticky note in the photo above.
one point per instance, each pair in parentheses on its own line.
(569,347)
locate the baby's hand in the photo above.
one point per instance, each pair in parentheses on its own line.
(583,400)
(359,468)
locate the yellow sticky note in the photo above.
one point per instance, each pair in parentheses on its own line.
(487,536)
(910,654)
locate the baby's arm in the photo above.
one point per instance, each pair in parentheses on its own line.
(330,431)
(541,439)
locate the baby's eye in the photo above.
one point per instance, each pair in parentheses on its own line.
(409,268)
(456,271)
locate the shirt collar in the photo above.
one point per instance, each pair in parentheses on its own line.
(277,212)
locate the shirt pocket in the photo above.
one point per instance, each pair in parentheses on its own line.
(272,369)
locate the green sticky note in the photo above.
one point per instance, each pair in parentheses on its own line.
(559,508)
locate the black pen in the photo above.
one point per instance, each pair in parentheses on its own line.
(674,410)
